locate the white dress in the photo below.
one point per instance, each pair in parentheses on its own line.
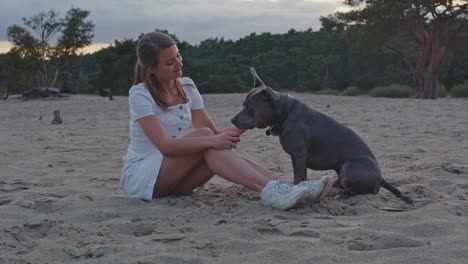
(143,160)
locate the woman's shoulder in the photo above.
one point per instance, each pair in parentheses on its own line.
(188,82)
(138,89)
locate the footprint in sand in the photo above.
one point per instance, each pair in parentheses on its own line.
(103,216)
(269,231)
(14,186)
(288,231)
(421,191)
(371,242)
(167,238)
(4,200)
(26,204)
(134,228)
(429,230)
(47,203)
(142,230)
(455,168)
(96,179)
(23,238)
(304,233)
(444,186)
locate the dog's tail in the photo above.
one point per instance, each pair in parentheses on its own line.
(395,191)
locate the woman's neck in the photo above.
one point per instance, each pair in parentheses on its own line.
(169,87)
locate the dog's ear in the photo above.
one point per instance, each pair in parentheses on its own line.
(256,79)
(270,95)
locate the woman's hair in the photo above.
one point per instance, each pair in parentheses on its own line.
(148,49)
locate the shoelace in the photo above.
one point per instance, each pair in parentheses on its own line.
(282,188)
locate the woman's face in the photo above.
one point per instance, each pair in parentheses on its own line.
(170,65)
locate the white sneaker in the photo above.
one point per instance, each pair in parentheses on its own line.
(317,189)
(282,195)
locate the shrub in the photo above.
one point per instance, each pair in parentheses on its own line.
(442,91)
(329,92)
(351,91)
(392,91)
(460,90)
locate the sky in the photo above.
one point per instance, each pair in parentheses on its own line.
(190,20)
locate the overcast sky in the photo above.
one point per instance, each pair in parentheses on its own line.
(189,20)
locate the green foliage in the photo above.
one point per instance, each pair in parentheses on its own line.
(84,87)
(19,72)
(405,28)
(457,69)
(328,92)
(460,90)
(442,91)
(219,79)
(24,44)
(77,32)
(306,61)
(3,72)
(392,91)
(47,64)
(351,91)
(115,67)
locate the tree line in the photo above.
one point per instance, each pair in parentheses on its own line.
(418,43)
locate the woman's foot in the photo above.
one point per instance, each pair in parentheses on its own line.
(281,195)
(318,189)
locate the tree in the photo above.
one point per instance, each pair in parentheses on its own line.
(38,51)
(116,65)
(3,79)
(434,26)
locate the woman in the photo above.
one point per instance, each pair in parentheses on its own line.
(174,145)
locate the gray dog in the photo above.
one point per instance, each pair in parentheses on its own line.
(313,140)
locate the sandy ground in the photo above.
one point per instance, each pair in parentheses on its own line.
(61,200)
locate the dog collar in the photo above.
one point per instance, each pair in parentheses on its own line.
(281,116)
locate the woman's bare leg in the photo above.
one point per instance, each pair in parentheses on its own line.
(202,174)
(225,163)
(261,169)
(196,178)
(171,173)
(232,167)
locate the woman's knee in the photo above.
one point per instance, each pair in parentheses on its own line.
(200,132)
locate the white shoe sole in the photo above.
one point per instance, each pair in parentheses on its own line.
(301,196)
(327,186)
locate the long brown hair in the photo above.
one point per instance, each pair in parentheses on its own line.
(148,49)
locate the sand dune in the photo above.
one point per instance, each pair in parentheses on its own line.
(61,200)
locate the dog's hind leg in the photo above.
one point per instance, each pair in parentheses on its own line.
(360,176)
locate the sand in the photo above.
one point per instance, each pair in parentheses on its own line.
(61,200)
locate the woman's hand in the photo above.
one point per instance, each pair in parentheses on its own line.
(225,140)
(240,131)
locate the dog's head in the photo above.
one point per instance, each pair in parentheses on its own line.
(258,107)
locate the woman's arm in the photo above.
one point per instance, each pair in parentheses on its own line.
(200,118)
(154,130)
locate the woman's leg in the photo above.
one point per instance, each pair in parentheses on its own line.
(176,179)
(261,169)
(228,165)
(197,169)
(202,174)
(178,174)
(197,178)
